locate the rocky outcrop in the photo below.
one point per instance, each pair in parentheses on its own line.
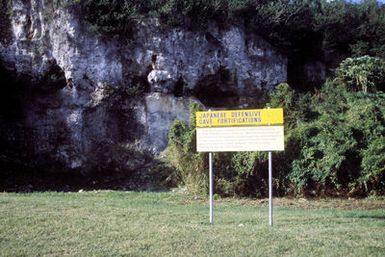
(124,94)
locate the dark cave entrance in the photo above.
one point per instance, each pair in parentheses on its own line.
(179,87)
(218,90)
(213,96)
(12,94)
(20,95)
(53,80)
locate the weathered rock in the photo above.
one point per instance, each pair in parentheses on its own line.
(161,111)
(124,97)
(192,56)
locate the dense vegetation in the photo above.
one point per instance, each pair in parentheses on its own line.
(313,27)
(335,132)
(286,22)
(335,140)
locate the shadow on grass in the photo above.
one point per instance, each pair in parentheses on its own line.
(380,216)
(19,178)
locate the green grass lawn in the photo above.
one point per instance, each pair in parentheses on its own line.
(103,223)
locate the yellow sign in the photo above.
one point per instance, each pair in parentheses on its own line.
(253,117)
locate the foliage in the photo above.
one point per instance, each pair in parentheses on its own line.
(181,153)
(334,139)
(114,17)
(285,23)
(369,34)
(233,171)
(109,16)
(323,25)
(373,167)
(306,30)
(285,97)
(329,25)
(333,136)
(238,173)
(296,112)
(339,150)
(362,73)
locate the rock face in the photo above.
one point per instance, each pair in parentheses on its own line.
(124,96)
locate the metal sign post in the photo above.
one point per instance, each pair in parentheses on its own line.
(270,190)
(211,188)
(211,184)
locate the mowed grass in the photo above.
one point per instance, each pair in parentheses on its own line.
(103,223)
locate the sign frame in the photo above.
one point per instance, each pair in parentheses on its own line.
(248,121)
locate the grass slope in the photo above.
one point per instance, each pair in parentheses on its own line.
(103,223)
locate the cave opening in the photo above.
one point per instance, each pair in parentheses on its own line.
(140,85)
(12,94)
(213,96)
(218,90)
(53,80)
(19,96)
(179,87)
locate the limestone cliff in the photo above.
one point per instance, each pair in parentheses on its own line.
(124,95)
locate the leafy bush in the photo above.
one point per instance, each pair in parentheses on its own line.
(114,17)
(372,177)
(362,73)
(238,173)
(339,149)
(296,112)
(181,153)
(334,144)
(234,173)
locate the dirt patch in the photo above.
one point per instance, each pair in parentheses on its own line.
(303,203)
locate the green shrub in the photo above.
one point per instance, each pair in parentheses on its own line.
(112,17)
(181,153)
(340,148)
(362,73)
(296,111)
(238,173)
(334,137)
(285,97)
(234,173)
(334,144)
(372,179)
